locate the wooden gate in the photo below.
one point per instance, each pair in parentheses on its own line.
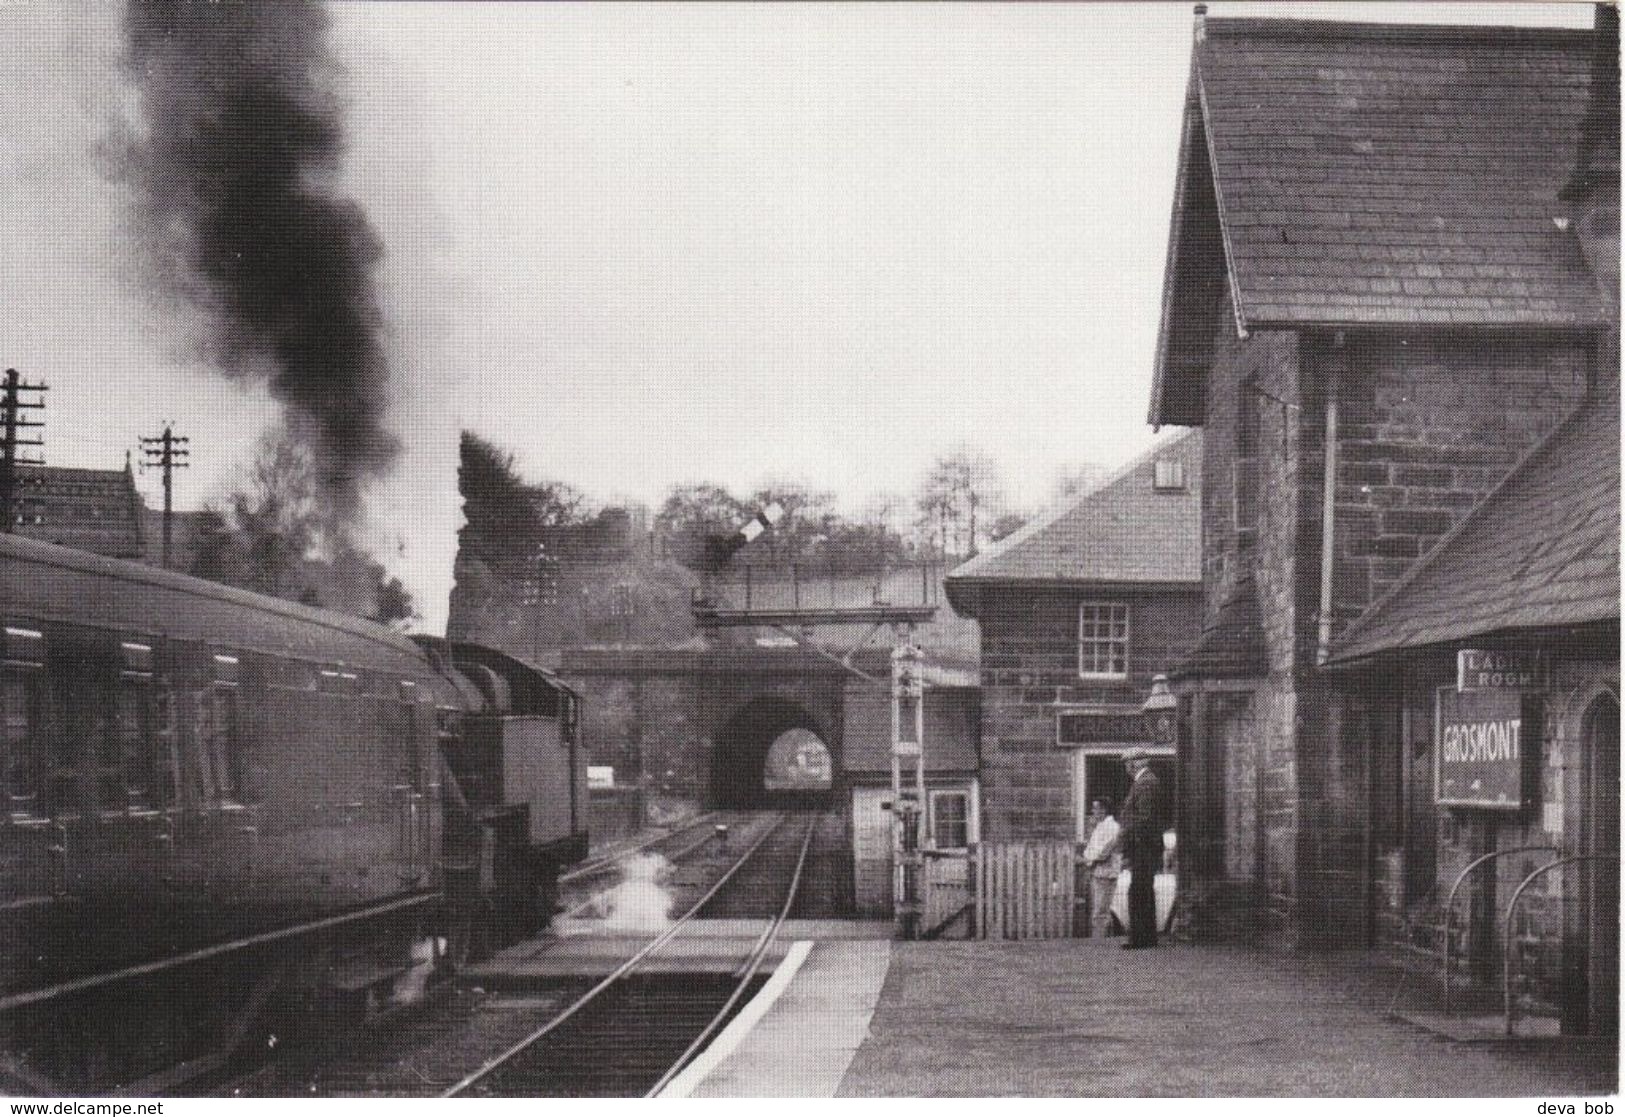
(1024,890)
(947,899)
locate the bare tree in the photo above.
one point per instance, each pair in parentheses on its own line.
(272,536)
(960,498)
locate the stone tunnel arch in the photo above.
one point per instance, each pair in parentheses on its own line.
(772,753)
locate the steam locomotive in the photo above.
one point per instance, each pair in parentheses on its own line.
(223,814)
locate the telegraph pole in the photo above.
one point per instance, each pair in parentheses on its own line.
(168,452)
(16,426)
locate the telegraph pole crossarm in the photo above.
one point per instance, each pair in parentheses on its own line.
(168,452)
(12,403)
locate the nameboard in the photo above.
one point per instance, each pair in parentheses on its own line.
(1487,741)
(1101,726)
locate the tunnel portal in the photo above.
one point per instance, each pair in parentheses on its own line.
(772,753)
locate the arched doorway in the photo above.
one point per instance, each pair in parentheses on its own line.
(1599,888)
(771,753)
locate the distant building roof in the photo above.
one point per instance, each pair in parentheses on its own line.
(1347,174)
(1540,551)
(1126,530)
(95,510)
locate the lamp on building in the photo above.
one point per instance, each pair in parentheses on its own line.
(1159,708)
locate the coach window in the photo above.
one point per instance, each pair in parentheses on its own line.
(22,705)
(141,748)
(222,733)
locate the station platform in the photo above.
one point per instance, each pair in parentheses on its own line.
(705,946)
(1080,1017)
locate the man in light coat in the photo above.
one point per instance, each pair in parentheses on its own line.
(1101,854)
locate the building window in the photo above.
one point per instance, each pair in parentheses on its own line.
(1103,641)
(950,819)
(1169,476)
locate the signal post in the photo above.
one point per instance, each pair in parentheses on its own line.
(907,785)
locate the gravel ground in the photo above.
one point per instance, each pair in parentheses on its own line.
(1083,1018)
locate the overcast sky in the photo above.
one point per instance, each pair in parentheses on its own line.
(649,244)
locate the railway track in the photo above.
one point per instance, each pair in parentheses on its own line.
(682,838)
(575,1037)
(631,1033)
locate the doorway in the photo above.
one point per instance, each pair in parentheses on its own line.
(1599,880)
(1101,775)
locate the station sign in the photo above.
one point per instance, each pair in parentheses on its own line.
(1479,669)
(1103,726)
(1487,743)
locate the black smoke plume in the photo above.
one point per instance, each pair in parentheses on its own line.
(238,176)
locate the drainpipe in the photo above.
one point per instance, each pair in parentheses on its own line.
(1328,503)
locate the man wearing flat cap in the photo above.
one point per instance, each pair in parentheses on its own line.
(1143,819)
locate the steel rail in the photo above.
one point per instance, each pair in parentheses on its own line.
(678,855)
(604,864)
(747,970)
(496,1063)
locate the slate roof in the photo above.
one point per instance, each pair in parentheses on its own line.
(1231,645)
(1542,550)
(1355,174)
(1380,174)
(1124,531)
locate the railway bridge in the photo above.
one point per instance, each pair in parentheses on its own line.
(754,727)
(736,727)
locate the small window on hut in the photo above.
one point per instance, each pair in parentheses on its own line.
(1169,476)
(950,819)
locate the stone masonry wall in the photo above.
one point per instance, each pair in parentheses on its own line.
(1549,910)
(1427,426)
(1251,439)
(660,728)
(1030,667)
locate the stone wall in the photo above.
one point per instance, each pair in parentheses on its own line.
(1546,927)
(1429,423)
(1427,426)
(1251,443)
(659,717)
(1030,669)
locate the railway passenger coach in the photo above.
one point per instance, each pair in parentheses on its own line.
(221,809)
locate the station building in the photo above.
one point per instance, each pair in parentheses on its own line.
(1079,610)
(1391,303)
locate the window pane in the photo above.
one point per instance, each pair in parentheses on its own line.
(1102,639)
(225,755)
(950,820)
(24,766)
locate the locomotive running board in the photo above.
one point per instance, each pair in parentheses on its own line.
(80,985)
